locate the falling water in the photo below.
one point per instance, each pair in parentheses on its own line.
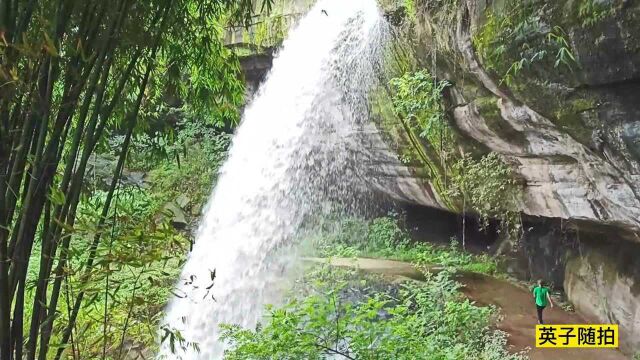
(297,153)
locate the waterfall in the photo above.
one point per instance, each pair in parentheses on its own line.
(297,153)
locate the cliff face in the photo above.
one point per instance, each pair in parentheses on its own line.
(554,87)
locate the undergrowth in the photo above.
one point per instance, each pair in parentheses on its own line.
(347,315)
(140,254)
(384,237)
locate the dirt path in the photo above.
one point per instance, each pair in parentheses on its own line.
(515,304)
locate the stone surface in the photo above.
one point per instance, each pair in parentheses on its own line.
(183,201)
(604,282)
(176,215)
(573,140)
(587,169)
(564,176)
(387,174)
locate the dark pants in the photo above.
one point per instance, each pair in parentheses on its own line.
(540,308)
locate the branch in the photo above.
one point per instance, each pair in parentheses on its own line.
(336,352)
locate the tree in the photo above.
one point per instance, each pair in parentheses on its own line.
(72,73)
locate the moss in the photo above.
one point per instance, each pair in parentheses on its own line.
(414,151)
(488,108)
(568,117)
(568,111)
(410,10)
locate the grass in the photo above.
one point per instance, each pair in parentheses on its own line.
(385,238)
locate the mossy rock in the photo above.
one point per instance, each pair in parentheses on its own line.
(488,108)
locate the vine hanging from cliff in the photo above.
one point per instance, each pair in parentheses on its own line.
(417,101)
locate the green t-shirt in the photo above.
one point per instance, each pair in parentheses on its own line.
(540,293)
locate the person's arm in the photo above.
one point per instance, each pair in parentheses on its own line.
(549,298)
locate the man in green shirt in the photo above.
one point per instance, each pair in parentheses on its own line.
(541,296)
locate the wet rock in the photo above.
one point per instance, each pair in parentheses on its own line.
(196,210)
(100,170)
(135,178)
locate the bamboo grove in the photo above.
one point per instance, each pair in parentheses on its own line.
(73,73)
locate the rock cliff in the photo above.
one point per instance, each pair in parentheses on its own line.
(552,86)
(563,112)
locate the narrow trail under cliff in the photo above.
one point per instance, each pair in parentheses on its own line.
(518,317)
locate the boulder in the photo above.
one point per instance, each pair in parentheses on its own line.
(176,215)
(183,201)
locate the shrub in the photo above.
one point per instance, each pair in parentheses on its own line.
(429,320)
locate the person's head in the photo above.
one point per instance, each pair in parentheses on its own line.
(540,282)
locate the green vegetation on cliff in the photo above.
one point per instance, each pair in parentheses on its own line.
(484,184)
(516,39)
(591,12)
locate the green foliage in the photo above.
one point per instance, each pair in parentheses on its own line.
(134,272)
(77,77)
(136,266)
(385,232)
(214,89)
(385,237)
(194,176)
(417,99)
(184,161)
(411,10)
(487,184)
(488,187)
(271,31)
(268,29)
(558,39)
(429,320)
(418,103)
(516,39)
(591,12)
(173,337)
